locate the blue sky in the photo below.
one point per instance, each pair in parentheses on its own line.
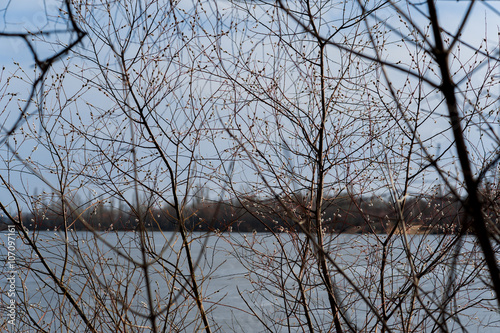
(482,29)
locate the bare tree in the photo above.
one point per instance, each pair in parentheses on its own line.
(333,109)
(353,131)
(127,100)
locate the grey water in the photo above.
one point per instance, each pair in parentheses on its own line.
(244,279)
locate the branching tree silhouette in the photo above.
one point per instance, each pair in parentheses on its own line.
(319,120)
(326,63)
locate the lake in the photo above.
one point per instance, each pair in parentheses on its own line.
(250,282)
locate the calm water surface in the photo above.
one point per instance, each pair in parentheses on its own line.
(234,268)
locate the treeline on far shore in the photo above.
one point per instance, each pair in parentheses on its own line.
(340,214)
